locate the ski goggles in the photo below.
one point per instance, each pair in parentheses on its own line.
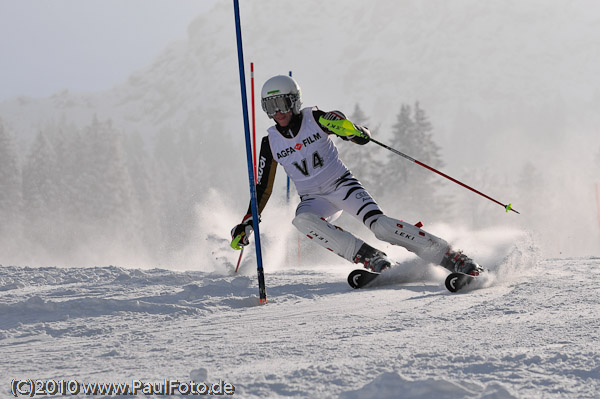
(282,103)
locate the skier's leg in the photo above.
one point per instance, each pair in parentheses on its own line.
(319,205)
(327,235)
(427,246)
(312,218)
(350,196)
(397,232)
(341,242)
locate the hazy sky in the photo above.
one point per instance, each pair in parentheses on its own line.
(50,45)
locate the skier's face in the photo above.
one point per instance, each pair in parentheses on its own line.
(283,119)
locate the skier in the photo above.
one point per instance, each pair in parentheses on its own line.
(302,145)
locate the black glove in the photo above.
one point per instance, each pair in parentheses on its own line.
(243,231)
(365,138)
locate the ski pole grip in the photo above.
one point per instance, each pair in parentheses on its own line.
(342,127)
(235,242)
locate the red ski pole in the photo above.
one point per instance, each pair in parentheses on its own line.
(344,127)
(239,260)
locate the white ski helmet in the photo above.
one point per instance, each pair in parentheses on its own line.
(281,93)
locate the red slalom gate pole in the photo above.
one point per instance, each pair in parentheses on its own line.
(237,267)
(253,116)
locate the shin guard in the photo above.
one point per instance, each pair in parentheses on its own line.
(327,235)
(397,232)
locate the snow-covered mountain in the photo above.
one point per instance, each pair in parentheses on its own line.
(496,76)
(508,86)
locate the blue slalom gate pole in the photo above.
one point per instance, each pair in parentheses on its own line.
(253,202)
(287,190)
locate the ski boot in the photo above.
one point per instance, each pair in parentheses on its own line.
(372,258)
(456,261)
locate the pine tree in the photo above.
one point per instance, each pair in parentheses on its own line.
(40,193)
(10,185)
(142,170)
(69,146)
(365,161)
(415,189)
(39,173)
(174,198)
(106,184)
(67,219)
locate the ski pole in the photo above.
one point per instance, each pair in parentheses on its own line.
(344,127)
(239,260)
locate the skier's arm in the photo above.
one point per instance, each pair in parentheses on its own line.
(264,186)
(337,115)
(265,175)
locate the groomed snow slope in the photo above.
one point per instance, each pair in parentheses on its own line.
(533,336)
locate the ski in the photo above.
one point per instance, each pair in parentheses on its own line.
(457,281)
(361,277)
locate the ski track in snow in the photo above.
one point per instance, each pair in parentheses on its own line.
(531,333)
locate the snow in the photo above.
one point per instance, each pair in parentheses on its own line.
(531,333)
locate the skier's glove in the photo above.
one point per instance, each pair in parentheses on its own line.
(241,233)
(347,130)
(362,135)
(363,138)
